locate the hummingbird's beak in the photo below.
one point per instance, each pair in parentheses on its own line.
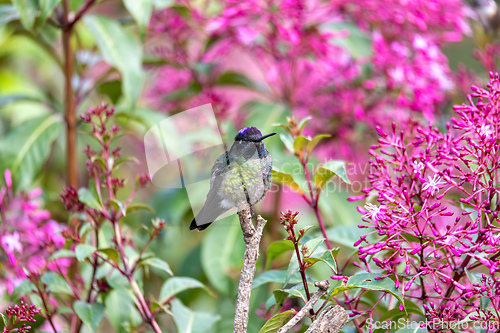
(266,136)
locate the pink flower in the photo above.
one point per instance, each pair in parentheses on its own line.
(11,243)
(8,178)
(376,213)
(432,186)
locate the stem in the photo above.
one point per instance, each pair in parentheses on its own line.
(321,225)
(68,281)
(314,203)
(252,237)
(302,269)
(147,314)
(69,107)
(141,302)
(322,290)
(82,11)
(136,264)
(45,306)
(94,270)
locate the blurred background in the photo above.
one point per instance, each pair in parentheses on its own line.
(350,65)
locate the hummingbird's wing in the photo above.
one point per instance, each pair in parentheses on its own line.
(212,207)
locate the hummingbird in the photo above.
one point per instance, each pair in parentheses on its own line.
(240,177)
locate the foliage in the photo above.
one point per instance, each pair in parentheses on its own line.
(329,76)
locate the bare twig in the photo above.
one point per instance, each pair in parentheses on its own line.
(251,236)
(323,289)
(331,320)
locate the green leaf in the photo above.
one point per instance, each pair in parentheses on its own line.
(280,297)
(141,11)
(297,291)
(83,251)
(90,314)
(326,171)
(121,311)
(46,9)
(158,263)
(24,288)
(56,283)
(235,79)
(367,281)
(358,43)
(63,253)
(120,50)
(8,13)
(327,257)
(277,321)
(28,10)
(286,179)
(395,312)
(155,306)
(274,276)
(26,148)
(177,284)
(217,247)
(111,253)
(4,319)
(276,249)
(303,123)
(345,235)
(313,244)
(124,159)
(87,197)
(119,206)
(112,89)
(293,268)
(299,145)
(314,142)
(193,89)
(139,206)
(288,142)
(188,321)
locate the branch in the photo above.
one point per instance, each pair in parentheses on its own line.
(323,289)
(331,320)
(69,105)
(251,236)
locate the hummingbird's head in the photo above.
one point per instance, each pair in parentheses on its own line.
(251,134)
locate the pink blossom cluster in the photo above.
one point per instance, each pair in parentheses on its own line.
(27,236)
(187,80)
(294,52)
(440,20)
(18,316)
(435,224)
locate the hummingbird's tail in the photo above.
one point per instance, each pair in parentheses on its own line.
(206,216)
(193,225)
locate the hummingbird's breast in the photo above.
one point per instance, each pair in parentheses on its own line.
(246,181)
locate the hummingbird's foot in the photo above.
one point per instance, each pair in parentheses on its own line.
(252,213)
